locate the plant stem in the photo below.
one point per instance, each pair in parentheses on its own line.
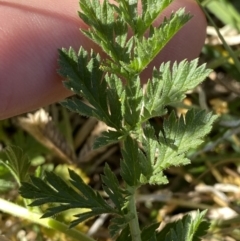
(18,211)
(227,47)
(133,224)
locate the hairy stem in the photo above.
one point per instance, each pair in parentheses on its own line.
(134,224)
(18,211)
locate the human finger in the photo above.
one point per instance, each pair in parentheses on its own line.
(31,33)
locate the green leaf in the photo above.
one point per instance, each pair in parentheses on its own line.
(116,84)
(168,88)
(187,229)
(112,188)
(54,190)
(202,230)
(114,94)
(107,30)
(106,138)
(117,224)
(124,235)
(85,78)
(130,166)
(18,163)
(121,68)
(120,223)
(78,106)
(150,10)
(187,132)
(128,11)
(145,164)
(126,109)
(148,158)
(133,102)
(149,233)
(120,199)
(139,23)
(178,137)
(147,48)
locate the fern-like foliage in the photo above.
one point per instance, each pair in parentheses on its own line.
(129,56)
(86,79)
(77,195)
(169,148)
(126,108)
(146,49)
(188,229)
(130,168)
(169,87)
(107,30)
(119,223)
(112,187)
(140,23)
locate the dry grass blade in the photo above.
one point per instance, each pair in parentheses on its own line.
(87,152)
(231,36)
(43,129)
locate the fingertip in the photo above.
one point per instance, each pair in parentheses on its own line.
(34,30)
(188,42)
(32,33)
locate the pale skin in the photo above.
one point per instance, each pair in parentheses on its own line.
(31,31)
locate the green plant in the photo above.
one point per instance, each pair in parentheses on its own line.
(126,109)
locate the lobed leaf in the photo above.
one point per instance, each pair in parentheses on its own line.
(140,22)
(187,229)
(78,106)
(107,30)
(54,190)
(133,102)
(112,188)
(147,48)
(118,224)
(177,137)
(168,88)
(129,12)
(107,138)
(130,166)
(125,109)
(124,235)
(149,233)
(150,11)
(85,78)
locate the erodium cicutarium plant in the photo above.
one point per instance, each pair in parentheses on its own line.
(111,91)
